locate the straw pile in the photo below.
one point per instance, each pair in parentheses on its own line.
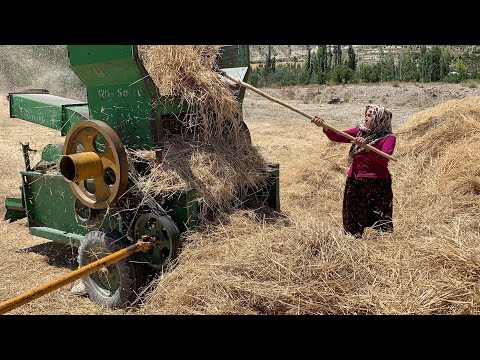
(305,265)
(443,144)
(218,161)
(222,173)
(185,72)
(431,132)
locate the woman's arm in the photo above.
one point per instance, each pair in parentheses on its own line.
(387,147)
(332,135)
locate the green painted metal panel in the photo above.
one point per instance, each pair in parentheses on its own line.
(50,203)
(14,203)
(15,209)
(90,54)
(73,114)
(52,152)
(108,72)
(129,112)
(234,56)
(184,209)
(43,109)
(121,93)
(273,184)
(56,235)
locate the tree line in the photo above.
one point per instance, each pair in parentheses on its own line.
(327,64)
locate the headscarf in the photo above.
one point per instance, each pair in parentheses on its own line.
(381,127)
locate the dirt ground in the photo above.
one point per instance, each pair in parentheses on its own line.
(282,136)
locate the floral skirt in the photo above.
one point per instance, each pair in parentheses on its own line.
(367,202)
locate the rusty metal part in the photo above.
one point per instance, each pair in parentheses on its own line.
(26,156)
(158,156)
(82,166)
(31,295)
(163,232)
(85,143)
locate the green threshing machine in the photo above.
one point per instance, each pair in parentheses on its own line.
(78,193)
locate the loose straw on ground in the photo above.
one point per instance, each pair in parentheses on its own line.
(303,264)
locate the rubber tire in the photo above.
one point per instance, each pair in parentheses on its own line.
(127,272)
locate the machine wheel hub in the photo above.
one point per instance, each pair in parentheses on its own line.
(109,179)
(166,237)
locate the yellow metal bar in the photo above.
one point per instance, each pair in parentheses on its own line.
(326,126)
(81,166)
(28,296)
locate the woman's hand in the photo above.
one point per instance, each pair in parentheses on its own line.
(317,121)
(361,141)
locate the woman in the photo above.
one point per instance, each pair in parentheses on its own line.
(368,196)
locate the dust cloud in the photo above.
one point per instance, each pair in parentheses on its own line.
(39,67)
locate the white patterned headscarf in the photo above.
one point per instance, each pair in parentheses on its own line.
(381,127)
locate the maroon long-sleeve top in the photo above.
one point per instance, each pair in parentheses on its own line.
(367,164)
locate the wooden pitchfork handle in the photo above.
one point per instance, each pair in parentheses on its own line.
(326,126)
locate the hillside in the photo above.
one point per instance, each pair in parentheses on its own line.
(46,66)
(365,53)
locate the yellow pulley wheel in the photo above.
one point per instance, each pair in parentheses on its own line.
(94,163)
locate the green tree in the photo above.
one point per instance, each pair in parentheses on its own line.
(409,68)
(352,61)
(388,68)
(315,64)
(435,63)
(461,69)
(445,63)
(337,54)
(424,64)
(321,62)
(341,74)
(286,75)
(329,59)
(307,68)
(380,62)
(268,61)
(369,73)
(254,77)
